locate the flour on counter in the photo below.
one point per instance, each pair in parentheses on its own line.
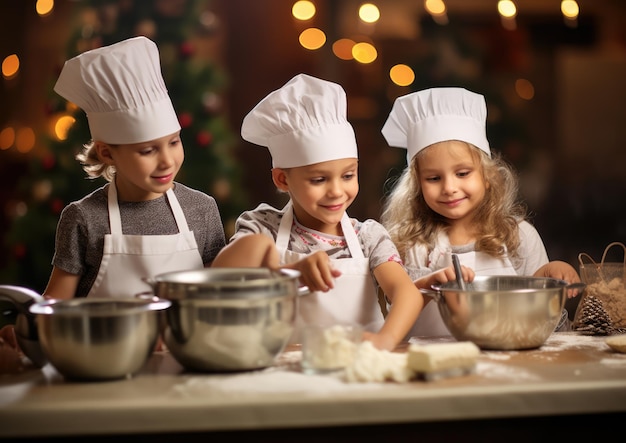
(267,381)
(504,372)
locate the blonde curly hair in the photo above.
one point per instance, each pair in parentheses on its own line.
(92,165)
(410,220)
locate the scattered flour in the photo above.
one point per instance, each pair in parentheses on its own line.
(504,372)
(372,368)
(267,381)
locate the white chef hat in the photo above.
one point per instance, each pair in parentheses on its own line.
(121,89)
(419,119)
(302,123)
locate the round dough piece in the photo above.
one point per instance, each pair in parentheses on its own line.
(617,342)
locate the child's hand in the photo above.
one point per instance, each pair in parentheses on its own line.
(560,270)
(443,276)
(383,342)
(316,272)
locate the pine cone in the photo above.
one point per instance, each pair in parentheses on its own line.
(593,319)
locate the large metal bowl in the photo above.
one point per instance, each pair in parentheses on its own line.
(98,338)
(502,312)
(228,319)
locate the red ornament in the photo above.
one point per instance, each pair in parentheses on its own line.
(204,138)
(19,251)
(48,162)
(185,120)
(49,108)
(186,50)
(57,206)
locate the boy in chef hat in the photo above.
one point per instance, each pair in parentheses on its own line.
(315,161)
(456,196)
(142,222)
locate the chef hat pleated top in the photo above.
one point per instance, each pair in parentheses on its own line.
(121,89)
(302,123)
(422,118)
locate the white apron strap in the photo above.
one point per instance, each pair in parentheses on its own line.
(351,239)
(284,229)
(181,221)
(115,220)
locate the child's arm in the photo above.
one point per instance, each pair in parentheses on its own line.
(406,304)
(248,251)
(62,285)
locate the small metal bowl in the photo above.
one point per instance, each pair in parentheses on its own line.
(503,312)
(98,338)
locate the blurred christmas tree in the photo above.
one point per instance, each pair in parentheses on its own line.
(182,29)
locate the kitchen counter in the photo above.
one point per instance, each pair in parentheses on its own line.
(570,376)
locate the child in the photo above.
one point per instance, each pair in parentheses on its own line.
(455,196)
(142,222)
(315,161)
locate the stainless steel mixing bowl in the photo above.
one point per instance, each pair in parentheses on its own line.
(502,312)
(98,338)
(228,319)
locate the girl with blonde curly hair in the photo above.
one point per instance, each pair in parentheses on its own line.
(455,196)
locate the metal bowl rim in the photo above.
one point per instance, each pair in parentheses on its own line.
(267,277)
(452,285)
(81,306)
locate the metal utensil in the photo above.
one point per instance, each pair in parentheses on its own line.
(457,270)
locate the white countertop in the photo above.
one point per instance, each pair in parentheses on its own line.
(569,374)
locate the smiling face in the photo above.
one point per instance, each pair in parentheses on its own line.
(144,171)
(321,193)
(451,180)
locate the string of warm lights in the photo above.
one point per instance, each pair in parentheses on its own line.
(365,51)
(24,138)
(311,38)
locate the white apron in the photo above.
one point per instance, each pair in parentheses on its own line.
(129,258)
(429,322)
(352,300)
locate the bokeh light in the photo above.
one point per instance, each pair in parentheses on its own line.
(312,38)
(25,140)
(369,13)
(364,52)
(44,7)
(62,126)
(10,66)
(569,8)
(506,8)
(303,10)
(524,89)
(342,48)
(435,7)
(7,138)
(402,75)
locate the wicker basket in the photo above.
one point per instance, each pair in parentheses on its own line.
(602,309)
